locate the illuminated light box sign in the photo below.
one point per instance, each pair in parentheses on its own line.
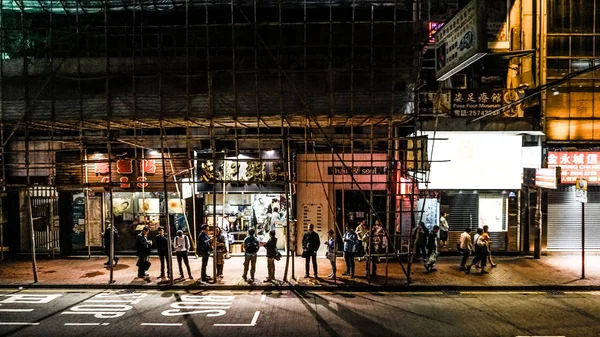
(575,165)
(547,177)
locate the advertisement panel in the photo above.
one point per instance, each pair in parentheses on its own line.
(461,41)
(576,164)
(547,177)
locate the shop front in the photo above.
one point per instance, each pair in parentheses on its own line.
(332,194)
(564,210)
(475,177)
(130,193)
(244,191)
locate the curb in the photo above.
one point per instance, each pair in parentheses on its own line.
(352,288)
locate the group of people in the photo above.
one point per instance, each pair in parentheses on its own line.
(182,246)
(480,245)
(356,243)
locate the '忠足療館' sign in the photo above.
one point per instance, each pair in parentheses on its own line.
(576,164)
(461,41)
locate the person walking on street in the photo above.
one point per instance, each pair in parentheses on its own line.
(444,228)
(433,249)
(466,246)
(251,246)
(142,248)
(221,251)
(107,242)
(350,246)
(480,252)
(162,248)
(486,235)
(361,233)
(271,247)
(204,248)
(182,245)
(310,246)
(331,252)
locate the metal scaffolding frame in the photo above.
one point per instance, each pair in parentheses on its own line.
(190,75)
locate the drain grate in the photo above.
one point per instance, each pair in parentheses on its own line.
(451,292)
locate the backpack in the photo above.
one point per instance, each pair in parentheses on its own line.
(251,246)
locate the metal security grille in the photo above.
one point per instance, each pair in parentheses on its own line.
(44,210)
(564,220)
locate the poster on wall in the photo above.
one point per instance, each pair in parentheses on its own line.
(122,206)
(94,219)
(490,213)
(149,205)
(428,211)
(175,206)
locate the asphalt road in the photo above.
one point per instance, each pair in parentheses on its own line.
(224,313)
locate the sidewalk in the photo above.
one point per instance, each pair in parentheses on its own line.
(550,272)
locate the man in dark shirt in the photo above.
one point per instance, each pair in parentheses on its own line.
(204,248)
(142,247)
(310,246)
(162,248)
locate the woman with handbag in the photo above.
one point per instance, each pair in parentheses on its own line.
(272,252)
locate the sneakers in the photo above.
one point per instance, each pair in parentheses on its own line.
(306,276)
(345,273)
(331,276)
(244,277)
(469,269)
(316,276)
(494,265)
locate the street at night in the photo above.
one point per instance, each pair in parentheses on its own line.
(65,312)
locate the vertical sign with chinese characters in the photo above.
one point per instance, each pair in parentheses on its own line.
(576,165)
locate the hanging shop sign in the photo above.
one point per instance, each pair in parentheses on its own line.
(547,177)
(461,41)
(477,102)
(575,165)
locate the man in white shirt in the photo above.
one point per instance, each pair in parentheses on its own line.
(444,228)
(466,246)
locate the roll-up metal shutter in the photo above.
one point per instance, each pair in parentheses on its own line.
(564,220)
(463,211)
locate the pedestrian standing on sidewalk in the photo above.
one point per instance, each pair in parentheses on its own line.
(251,246)
(350,246)
(107,242)
(331,252)
(480,253)
(271,247)
(421,233)
(466,246)
(142,248)
(444,228)
(221,251)
(203,249)
(433,249)
(310,246)
(162,248)
(182,245)
(361,233)
(486,235)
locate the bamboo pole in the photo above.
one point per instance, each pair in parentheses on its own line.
(166,206)
(29,206)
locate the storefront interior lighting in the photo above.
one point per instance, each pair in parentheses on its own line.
(270,152)
(154,153)
(98,154)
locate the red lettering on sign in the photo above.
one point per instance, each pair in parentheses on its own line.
(105,180)
(148,166)
(101,168)
(141,182)
(124,166)
(124,182)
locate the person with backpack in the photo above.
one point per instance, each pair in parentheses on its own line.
(350,247)
(310,246)
(271,247)
(251,246)
(182,245)
(203,250)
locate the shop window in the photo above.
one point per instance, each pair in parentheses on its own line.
(559,18)
(582,46)
(557,129)
(580,64)
(580,129)
(557,103)
(557,68)
(582,16)
(492,213)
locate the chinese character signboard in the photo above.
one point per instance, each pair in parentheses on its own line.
(461,41)
(547,177)
(479,102)
(576,165)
